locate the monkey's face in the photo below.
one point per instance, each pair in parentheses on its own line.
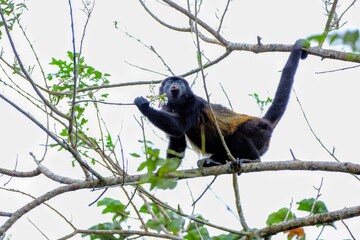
(174,88)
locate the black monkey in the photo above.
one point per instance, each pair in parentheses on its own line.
(188,115)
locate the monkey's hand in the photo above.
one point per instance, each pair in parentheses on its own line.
(142,103)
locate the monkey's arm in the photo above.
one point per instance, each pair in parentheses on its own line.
(170,123)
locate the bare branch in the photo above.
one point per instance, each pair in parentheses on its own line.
(19,174)
(45,101)
(204,25)
(53,136)
(162,22)
(223,15)
(238,202)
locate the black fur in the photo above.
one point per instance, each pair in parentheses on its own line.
(188,115)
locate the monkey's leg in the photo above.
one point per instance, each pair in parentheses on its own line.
(176,148)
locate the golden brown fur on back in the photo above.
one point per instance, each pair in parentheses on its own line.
(227,119)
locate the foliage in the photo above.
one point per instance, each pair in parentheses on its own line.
(154,97)
(348,38)
(61,84)
(157,220)
(87,76)
(120,215)
(314,207)
(168,219)
(12,11)
(157,167)
(260,102)
(309,205)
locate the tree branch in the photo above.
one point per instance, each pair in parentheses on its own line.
(322,218)
(217,170)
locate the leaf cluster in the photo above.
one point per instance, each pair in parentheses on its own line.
(260,102)
(310,205)
(157,220)
(348,38)
(85,78)
(12,11)
(157,167)
(120,215)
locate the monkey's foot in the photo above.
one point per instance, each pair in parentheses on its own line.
(236,166)
(207,162)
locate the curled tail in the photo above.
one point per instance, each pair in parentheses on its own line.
(282,95)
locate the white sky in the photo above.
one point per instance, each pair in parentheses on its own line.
(330,102)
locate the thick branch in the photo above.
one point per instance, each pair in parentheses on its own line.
(322,218)
(323,53)
(123,232)
(218,170)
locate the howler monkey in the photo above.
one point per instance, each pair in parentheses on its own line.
(188,115)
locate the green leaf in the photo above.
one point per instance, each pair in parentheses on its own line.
(153,206)
(135,155)
(198,233)
(307,204)
(317,38)
(64,132)
(155,225)
(320,207)
(115,207)
(153,160)
(176,224)
(158,182)
(170,165)
(109,142)
(280,216)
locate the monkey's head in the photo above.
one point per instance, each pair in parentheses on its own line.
(175,88)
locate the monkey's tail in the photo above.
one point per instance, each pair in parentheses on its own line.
(282,95)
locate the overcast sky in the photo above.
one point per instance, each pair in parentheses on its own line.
(329,100)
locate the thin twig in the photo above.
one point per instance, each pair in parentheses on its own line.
(203,193)
(328,26)
(88,11)
(223,15)
(54,137)
(227,96)
(341,16)
(317,197)
(75,77)
(194,18)
(37,228)
(348,229)
(337,70)
(331,153)
(162,22)
(238,202)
